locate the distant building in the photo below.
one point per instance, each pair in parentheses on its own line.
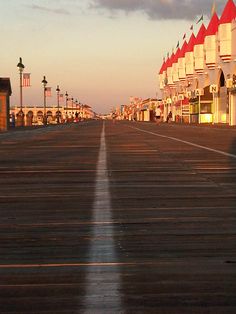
(34,115)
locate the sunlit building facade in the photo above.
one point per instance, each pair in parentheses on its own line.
(198,81)
(34,115)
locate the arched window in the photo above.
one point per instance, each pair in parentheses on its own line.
(30,113)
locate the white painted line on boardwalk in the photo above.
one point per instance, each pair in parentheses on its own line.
(186,142)
(96,285)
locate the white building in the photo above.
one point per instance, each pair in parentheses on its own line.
(198,82)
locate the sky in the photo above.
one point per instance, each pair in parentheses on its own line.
(100,51)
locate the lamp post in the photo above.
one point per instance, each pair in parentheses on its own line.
(66,116)
(72,104)
(66,94)
(20,114)
(76,113)
(58,107)
(82,112)
(44,82)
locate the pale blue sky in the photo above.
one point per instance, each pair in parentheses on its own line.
(100,51)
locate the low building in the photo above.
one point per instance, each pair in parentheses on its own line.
(5,93)
(34,115)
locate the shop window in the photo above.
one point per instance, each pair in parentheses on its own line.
(206,108)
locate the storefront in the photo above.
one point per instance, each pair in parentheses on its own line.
(182,110)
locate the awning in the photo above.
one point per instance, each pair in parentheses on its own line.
(185,101)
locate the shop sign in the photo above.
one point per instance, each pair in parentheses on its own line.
(213,88)
(189,94)
(199,92)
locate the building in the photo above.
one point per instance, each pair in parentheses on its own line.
(198,81)
(5,93)
(34,115)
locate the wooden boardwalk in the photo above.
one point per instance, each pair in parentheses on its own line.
(121,218)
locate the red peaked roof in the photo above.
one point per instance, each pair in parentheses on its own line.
(201,35)
(191,43)
(162,67)
(175,59)
(165,65)
(213,25)
(169,62)
(229,13)
(183,50)
(172,59)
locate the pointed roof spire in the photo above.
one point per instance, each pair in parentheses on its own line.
(229,13)
(167,63)
(162,67)
(183,49)
(213,25)
(213,9)
(201,35)
(176,57)
(191,43)
(171,60)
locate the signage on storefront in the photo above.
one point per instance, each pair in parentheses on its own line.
(181,97)
(189,94)
(199,92)
(229,83)
(213,88)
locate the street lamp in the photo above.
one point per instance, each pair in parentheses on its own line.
(76,113)
(58,91)
(82,112)
(72,104)
(66,94)
(44,82)
(20,114)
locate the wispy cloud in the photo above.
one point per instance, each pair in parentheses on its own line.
(160,9)
(50,10)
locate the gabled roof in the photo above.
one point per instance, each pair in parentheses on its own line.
(229,13)
(213,25)
(201,35)
(191,43)
(162,67)
(183,49)
(175,59)
(166,64)
(171,60)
